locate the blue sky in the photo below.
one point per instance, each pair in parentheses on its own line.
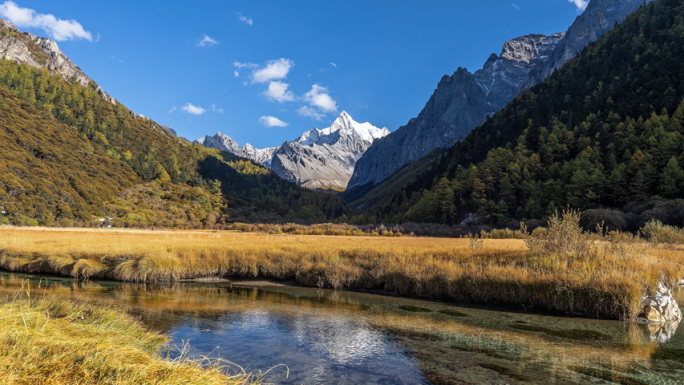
(265,71)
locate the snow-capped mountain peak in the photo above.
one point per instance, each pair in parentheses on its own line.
(343,126)
(317,159)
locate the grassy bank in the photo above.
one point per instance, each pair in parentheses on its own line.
(52,341)
(562,271)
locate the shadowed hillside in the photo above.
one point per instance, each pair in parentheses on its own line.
(605,130)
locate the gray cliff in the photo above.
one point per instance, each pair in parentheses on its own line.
(464,100)
(24,47)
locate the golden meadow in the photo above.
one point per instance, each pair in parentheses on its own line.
(53,341)
(560,270)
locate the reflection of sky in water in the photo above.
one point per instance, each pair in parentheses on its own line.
(317,349)
(324,336)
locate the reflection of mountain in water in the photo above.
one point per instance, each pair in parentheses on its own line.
(326,336)
(342,340)
(316,348)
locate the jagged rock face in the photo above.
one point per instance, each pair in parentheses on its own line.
(318,159)
(41,52)
(325,159)
(170,130)
(599,17)
(226,143)
(463,101)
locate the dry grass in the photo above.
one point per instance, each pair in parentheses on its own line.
(429,335)
(52,341)
(595,279)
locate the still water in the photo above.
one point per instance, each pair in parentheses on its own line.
(302,335)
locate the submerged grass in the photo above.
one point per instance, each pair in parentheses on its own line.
(561,270)
(505,371)
(607,375)
(53,341)
(573,334)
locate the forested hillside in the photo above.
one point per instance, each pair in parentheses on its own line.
(50,173)
(605,130)
(66,151)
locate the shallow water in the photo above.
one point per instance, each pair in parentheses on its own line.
(326,336)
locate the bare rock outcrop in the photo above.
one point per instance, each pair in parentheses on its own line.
(41,52)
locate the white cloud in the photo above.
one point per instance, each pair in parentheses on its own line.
(333,64)
(219,110)
(57,29)
(272,121)
(237,64)
(192,109)
(274,70)
(245,19)
(580,4)
(515,6)
(278,92)
(310,113)
(207,42)
(320,98)
(236,73)
(172,109)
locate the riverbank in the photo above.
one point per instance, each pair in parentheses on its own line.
(51,341)
(332,328)
(562,270)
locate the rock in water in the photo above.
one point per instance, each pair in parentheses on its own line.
(661,307)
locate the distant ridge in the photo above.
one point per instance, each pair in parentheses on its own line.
(318,159)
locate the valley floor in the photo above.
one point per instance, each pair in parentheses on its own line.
(598,278)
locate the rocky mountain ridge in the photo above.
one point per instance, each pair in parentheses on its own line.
(464,100)
(41,52)
(318,159)
(224,142)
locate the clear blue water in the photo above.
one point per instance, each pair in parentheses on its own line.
(299,335)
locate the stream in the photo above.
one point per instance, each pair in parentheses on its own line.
(304,335)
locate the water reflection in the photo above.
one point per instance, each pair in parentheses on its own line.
(662,333)
(317,349)
(325,336)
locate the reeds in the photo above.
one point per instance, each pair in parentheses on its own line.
(563,271)
(53,341)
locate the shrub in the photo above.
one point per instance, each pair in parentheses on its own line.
(657,232)
(564,235)
(606,218)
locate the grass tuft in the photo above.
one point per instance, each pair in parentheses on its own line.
(52,341)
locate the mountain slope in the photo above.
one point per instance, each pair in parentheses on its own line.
(49,173)
(318,159)
(463,101)
(128,149)
(596,133)
(42,52)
